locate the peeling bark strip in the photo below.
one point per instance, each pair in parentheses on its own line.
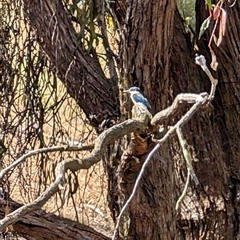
(81,74)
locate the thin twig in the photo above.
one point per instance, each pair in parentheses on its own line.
(69,67)
(184,191)
(200,60)
(186,154)
(190,171)
(43,150)
(134,189)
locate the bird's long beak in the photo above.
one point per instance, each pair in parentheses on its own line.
(125,91)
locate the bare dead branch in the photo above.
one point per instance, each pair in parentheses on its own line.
(43,150)
(186,154)
(184,191)
(184,98)
(200,60)
(134,189)
(36,204)
(199,100)
(190,171)
(170,112)
(105,138)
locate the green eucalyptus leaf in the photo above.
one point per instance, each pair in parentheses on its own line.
(204,26)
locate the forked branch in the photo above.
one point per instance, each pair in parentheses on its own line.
(107,137)
(198,100)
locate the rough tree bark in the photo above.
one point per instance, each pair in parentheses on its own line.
(157,56)
(39,226)
(80,72)
(148,33)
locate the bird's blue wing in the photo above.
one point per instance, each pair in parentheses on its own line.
(147,104)
(139,98)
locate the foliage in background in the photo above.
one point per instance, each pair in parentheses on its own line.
(187,11)
(96,29)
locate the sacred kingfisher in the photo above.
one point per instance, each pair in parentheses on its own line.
(137,97)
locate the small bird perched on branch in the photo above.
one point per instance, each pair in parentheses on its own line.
(137,97)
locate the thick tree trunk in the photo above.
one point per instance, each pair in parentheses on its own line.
(148,33)
(163,66)
(80,72)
